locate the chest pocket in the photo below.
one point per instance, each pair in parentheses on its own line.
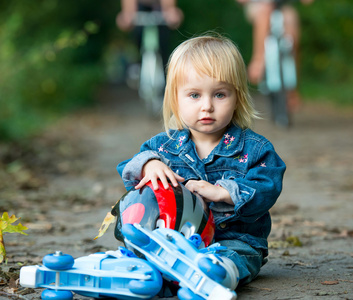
(226,168)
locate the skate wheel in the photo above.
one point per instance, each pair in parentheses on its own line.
(186,294)
(212,270)
(56,295)
(196,240)
(150,288)
(126,252)
(58,261)
(134,235)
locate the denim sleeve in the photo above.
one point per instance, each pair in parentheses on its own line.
(130,170)
(258,191)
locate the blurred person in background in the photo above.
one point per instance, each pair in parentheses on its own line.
(172,14)
(258,14)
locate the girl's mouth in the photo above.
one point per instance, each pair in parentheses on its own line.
(207,120)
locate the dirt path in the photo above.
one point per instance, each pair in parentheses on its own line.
(63,184)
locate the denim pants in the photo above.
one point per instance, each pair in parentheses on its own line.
(247,259)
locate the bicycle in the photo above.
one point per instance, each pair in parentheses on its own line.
(280,67)
(152,76)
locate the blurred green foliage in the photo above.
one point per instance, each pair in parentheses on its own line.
(54,54)
(326,49)
(50,59)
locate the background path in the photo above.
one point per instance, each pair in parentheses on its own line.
(64,183)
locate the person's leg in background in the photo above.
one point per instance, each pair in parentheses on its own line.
(292,30)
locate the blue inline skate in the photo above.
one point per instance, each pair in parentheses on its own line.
(201,274)
(116,274)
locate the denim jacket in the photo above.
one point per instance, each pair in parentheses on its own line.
(244,163)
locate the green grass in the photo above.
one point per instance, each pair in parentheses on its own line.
(341,94)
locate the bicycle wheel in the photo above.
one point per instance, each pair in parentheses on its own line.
(158,85)
(152,82)
(279,109)
(145,88)
(275,62)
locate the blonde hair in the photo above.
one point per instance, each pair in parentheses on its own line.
(216,57)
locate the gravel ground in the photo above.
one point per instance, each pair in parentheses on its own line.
(64,182)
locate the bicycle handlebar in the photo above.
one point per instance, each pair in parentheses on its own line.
(153,18)
(274,1)
(277,3)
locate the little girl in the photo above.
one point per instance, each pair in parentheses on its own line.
(209,147)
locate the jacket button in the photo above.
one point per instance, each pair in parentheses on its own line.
(223,225)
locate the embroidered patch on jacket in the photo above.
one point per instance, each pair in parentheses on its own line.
(242,158)
(161,149)
(180,142)
(228,140)
(263,164)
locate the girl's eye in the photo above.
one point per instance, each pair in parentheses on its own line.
(220,95)
(194,96)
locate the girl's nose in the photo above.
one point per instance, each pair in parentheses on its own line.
(207,104)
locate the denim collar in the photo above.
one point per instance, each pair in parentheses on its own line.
(231,143)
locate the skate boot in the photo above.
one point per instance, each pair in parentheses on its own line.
(115,274)
(200,275)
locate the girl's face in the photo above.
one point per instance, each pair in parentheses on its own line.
(205,105)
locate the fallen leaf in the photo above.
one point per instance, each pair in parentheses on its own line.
(13,283)
(346,233)
(3,281)
(25,291)
(330,282)
(10,290)
(109,219)
(5,226)
(294,241)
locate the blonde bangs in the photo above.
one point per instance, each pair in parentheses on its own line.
(211,59)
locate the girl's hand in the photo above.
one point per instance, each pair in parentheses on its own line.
(125,20)
(209,192)
(173,16)
(154,170)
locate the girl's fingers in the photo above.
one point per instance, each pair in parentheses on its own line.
(174,178)
(174,181)
(165,182)
(163,176)
(171,176)
(179,178)
(154,183)
(141,183)
(189,186)
(168,174)
(193,186)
